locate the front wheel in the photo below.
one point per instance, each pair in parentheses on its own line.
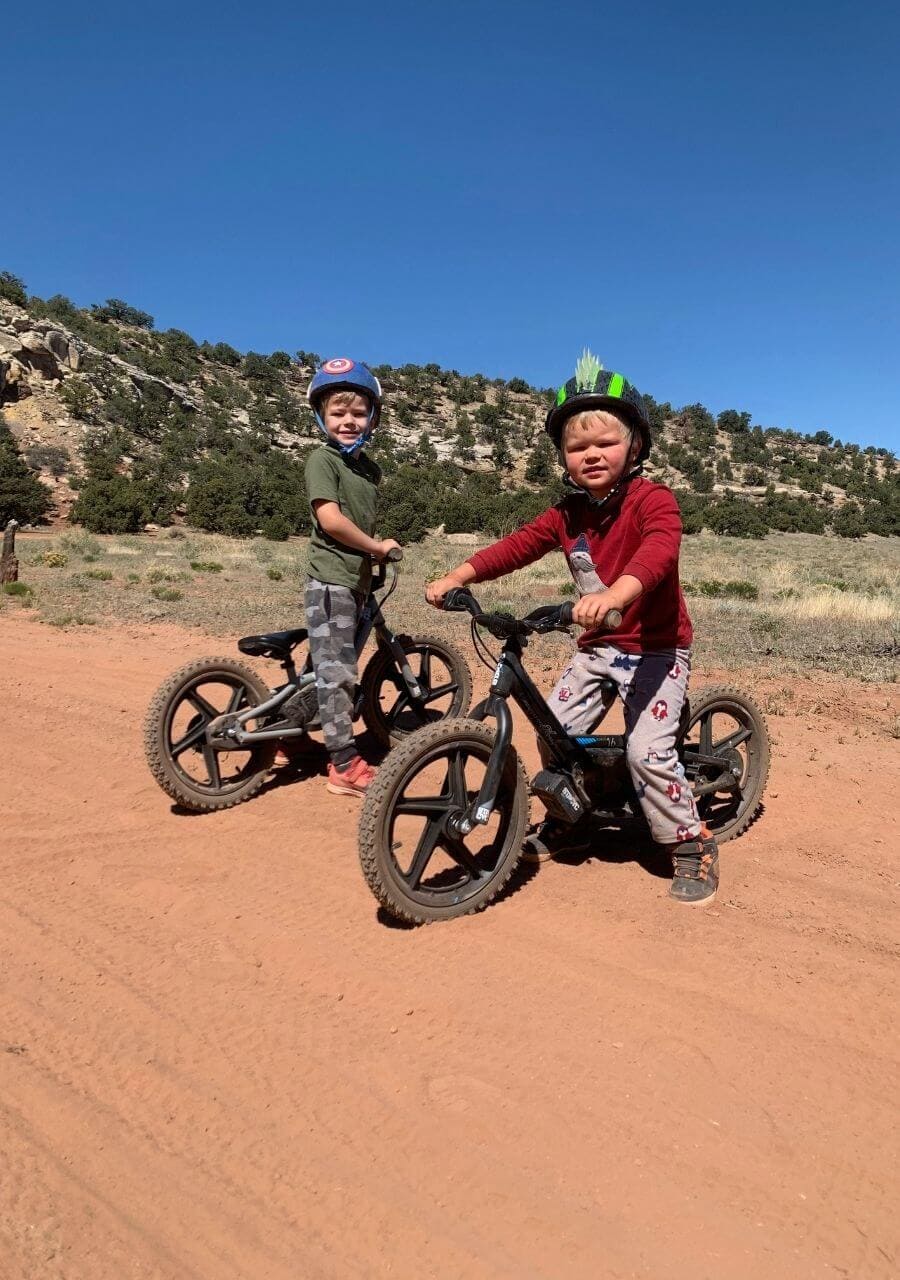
(444,679)
(725,753)
(181,752)
(418,868)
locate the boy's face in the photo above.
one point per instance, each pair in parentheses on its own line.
(597,451)
(346,417)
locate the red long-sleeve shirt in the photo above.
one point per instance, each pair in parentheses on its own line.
(639,535)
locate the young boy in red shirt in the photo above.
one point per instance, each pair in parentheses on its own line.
(621,535)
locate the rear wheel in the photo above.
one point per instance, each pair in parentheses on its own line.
(442,674)
(181,752)
(418,868)
(725,753)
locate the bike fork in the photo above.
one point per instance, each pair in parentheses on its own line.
(479,812)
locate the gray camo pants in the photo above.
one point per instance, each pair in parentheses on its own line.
(332,618)
(653,687)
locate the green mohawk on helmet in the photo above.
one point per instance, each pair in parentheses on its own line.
(587,371)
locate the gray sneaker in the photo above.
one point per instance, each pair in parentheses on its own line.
(551,837)
(696,864)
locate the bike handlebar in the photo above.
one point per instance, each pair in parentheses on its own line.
(549,617)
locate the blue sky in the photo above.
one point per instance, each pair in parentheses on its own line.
(706,195)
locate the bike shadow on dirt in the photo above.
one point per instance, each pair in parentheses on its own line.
(628,843)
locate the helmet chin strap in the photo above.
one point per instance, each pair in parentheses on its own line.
(601,502)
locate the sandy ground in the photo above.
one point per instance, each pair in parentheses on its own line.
(216,1061)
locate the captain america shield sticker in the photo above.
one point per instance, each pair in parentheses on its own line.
(339,365)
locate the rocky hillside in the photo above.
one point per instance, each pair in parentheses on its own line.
(124,423)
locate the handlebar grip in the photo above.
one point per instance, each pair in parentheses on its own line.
(458,600)
(612,620)
(395,555)
(565,614)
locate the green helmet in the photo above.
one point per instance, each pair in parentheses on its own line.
(594,387)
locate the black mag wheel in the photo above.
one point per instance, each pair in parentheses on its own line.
(418,868)
(442,674)
(725,753)
(181,757)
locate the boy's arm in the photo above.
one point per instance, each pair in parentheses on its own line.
(520,548)
(343,530)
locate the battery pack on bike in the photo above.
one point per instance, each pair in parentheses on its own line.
(558,793)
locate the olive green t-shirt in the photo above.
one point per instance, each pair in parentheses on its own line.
(351,482)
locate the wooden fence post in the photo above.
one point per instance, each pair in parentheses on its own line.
(9,565)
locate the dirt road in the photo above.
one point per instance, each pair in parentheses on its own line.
(216,1061)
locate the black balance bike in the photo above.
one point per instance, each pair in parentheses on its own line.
(442,826)
(213,728)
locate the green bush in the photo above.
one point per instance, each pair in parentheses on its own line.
(12,288)
(100,575)
(274,574)
(22,496)
(206,566)
(116,309)
(277,528)
(739,589)
(111,504)
(20,589)
(165,593)
(849,522)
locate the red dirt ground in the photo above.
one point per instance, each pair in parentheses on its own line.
(216,1061)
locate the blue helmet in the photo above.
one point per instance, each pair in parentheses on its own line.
(342,374)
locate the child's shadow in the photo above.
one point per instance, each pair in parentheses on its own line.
(617,844)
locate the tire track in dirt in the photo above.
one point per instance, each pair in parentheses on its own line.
(231,1068)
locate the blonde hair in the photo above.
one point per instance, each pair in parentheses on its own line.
(343,399)
(597,418)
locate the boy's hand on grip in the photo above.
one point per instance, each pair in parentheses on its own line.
(591,610)
(387,546)
(435,591)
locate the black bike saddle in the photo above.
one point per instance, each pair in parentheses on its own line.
(275,644)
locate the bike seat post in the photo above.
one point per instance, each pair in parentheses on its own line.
(289,668)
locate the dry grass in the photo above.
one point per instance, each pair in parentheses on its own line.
(822,602)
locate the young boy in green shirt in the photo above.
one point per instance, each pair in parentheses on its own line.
(342,483)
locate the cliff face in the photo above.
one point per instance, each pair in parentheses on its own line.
(70,376)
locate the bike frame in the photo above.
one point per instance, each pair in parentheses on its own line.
(371,619)
(575,755)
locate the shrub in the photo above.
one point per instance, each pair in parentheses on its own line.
(274,574)
(849,522)
(111,504)
(277,528)
(53,559)
(165,593)
(116,309)
(100,575)
(12,288)
(22,496)
(48,457)
(280,360)
(739,589)
(222,352)
(206,566)
(80,544)
(20,589)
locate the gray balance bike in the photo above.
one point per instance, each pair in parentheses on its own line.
(213,728)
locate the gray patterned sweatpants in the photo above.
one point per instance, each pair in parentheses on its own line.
(332,618)
(653,687)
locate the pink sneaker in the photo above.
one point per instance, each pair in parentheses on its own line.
(355,780)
